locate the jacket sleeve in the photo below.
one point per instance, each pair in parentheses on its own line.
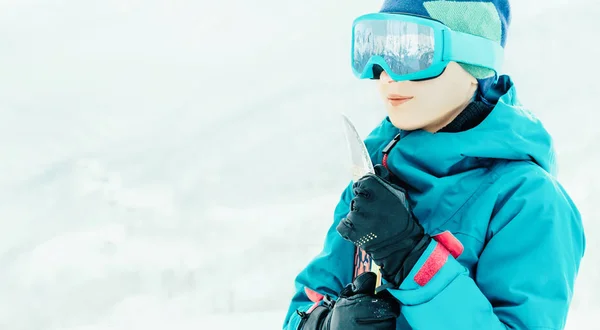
(328,272)
(525,275)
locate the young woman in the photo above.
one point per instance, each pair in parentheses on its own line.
(464,215)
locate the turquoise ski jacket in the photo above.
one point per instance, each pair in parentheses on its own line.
(494,189)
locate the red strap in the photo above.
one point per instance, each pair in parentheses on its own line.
(432,265)
(450,242)
(384,161)
(447,245)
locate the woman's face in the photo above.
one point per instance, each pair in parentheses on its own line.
(428,104)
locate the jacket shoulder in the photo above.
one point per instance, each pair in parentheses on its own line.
(524,187)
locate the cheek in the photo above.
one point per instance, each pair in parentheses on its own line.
(436,98)
(433,102)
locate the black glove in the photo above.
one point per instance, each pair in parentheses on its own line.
(380,223)
(357,308)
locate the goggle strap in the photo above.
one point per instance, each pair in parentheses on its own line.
(471,49)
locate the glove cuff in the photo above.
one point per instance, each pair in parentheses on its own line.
(409,263)
(315,320)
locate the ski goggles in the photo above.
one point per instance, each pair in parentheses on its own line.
(411,47)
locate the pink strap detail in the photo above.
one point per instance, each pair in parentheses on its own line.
(450,242)
(314,297)
(432,265)
(313,307)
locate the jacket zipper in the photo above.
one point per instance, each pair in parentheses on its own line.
(388,148)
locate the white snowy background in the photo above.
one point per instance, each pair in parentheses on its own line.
(174,164)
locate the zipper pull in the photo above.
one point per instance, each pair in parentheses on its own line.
(387,149)
(390,145)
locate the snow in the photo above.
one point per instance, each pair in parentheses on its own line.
(176,163)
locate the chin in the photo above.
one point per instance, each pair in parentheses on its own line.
(403,123)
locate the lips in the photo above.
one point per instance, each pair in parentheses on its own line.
(396,99)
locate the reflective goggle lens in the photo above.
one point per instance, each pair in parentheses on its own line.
(405,47)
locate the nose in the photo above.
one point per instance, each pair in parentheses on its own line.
(384,77)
